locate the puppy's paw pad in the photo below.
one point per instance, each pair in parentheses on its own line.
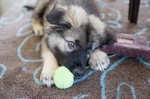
(99,61)
(46,79)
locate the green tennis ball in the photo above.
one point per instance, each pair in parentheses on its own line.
(63,78)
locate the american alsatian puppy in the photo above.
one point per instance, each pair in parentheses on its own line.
(72,36)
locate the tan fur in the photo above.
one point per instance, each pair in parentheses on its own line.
(77,17)
(99,60)
(49,65)
(57,40)
(37,27)
(97,24)
(74,14)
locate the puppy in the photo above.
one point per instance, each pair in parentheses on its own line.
(72,36)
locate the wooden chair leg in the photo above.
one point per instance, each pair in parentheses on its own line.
(133,11)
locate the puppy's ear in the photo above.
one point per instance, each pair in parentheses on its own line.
(110,37)
(56,18)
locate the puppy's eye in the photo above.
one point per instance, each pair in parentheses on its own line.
(71,44)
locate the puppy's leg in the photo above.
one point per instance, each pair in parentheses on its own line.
(37,27)
(37,17)
(99,60)
(49,65)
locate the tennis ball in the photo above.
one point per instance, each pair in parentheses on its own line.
(63,78)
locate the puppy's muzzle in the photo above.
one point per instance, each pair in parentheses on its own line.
(78,70)
(76,62)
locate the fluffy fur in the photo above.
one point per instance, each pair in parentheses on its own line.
(72,35)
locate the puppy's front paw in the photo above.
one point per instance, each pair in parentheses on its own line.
(99,60)
(46,78)
(37,28)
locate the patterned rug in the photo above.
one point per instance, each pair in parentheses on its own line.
(20,60)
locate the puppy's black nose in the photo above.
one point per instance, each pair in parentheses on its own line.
(78,72)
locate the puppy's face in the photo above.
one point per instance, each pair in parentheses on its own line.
(72,35)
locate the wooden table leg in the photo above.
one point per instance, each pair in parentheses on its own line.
(133,11)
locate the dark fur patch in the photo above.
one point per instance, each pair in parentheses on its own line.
(109,36)
(88,5)
(75,61)
(28,7)
(56,17)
